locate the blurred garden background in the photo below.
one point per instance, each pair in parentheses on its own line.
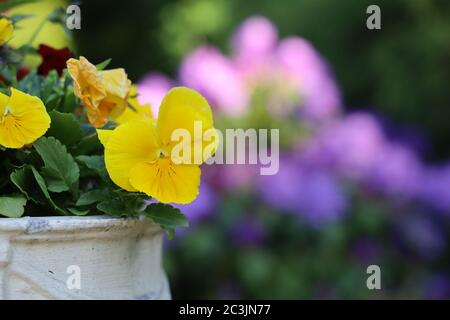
(364,129)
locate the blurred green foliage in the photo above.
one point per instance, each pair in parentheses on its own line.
(295,261)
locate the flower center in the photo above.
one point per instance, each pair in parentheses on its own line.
(7,120)
(162,153)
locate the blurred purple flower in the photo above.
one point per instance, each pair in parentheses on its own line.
(152,88)
(314,195)
(435,188)
(354,143)
(396,171)
(322,199)
(366,250)
(438,287)
(281,190)
(248,232)
(303,65)
(421,235)
(202,207)
(207,70)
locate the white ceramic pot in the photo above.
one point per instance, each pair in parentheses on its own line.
(81,258)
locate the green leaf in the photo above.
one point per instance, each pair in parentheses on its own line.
(170,232)
(103,65)
(28,49)
(92,197)
(88,145)
(96,163)
(12,207)
(65,128)
(30,84)
(166,216)
(24,179)
(60,171)
(113,207)
(78,212)
(92,162)
(70,102)
(43,187)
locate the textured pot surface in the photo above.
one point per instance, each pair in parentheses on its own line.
(81,258)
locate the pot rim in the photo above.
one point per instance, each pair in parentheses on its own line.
(64,223)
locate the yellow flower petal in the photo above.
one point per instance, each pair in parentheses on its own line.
(140,111)
(23,121)
(116,83)
(4,99)
(180,109)
(104,94)
(87,83)
(6,30)
(167,182)
(104,135)
(127,146)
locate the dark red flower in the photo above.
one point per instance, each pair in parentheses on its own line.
(22,73)
(53,59)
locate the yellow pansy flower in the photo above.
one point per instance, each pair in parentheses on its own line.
(6,30)
(138,154)
(23,119)
(104,94)
(138,111)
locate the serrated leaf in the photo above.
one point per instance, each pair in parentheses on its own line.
(24,179)
(113,207)
(65,128)
(44,190)
(60,170)
(165,215)
(12,207)
(92,197)
(94,163)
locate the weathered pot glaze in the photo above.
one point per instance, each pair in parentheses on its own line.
(44,257)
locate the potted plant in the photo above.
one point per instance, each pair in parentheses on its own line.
(87,177)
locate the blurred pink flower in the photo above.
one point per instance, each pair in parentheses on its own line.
(232,177)
(152,88)
(302,64)
(253,44)
(291,69)
(207,70)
